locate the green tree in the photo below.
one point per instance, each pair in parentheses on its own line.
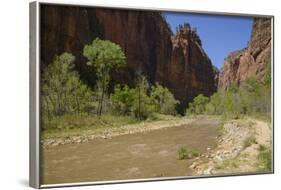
(142,104)
(62,90)
(229,100)
(163,99)
(104,56)
(256,96)
(215,105)
(198,105)
(250,98)
(122,100)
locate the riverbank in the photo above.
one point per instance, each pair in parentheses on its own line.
(130,156)
(82,135)
(244,146)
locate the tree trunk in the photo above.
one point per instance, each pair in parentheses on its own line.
(77,104)
(58,111)
(101,100)
(98,107)
(53,104)
(47,106)
(139,105)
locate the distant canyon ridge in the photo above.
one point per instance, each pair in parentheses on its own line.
(252,61)
(176,61)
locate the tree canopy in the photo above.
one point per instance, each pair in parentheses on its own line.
(62,90)
(104,56)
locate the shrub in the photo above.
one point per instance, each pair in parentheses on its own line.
(228,164)
(215,105)
(256,97)
(62,90)
(250,98)
(85,121)
(142,105)
(140,101)
(198,106)
(184,153)
(163,99)
(249,141)
(122,100)
(264,159)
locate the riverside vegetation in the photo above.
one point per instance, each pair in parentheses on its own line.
(71,108)
(245,140)
(149,102)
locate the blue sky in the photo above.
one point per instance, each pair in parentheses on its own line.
(220,35)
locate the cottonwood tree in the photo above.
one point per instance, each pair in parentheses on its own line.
(104,56)
(215,104)
(163,99)
(62,90)
(122,99)
(197,106)
(142,104)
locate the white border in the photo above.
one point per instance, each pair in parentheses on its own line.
(35,167)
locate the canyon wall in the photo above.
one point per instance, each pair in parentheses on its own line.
(190,71)
(176,61)
(251,62)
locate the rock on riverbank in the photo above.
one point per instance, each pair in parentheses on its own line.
(237,150)
(112,132)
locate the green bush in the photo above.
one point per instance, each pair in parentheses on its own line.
(184,153)
(250,98)
(142,105)
(122,100)
(264,159)
(163,99)
(85,121)
(214,106)
(228,164)
(198,106)
(62,90)
(142,101)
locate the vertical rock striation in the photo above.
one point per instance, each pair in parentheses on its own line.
(252,61)
(176,61)
(190,71)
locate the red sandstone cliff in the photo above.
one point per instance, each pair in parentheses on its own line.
(176,61)
(252,61)
(190,71)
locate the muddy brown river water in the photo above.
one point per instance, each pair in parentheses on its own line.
(133,156)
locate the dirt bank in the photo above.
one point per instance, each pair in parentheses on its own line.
(237,150)
(108,133)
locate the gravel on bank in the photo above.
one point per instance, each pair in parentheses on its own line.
(235,153)
(108,133)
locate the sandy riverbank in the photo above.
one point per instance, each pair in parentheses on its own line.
(238,149)
(112,132)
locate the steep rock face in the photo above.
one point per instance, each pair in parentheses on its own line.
(190,71)
(143,36)
(178,62)
(252,61)
(145,39)
(67,29)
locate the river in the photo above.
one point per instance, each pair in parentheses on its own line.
(132,156)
